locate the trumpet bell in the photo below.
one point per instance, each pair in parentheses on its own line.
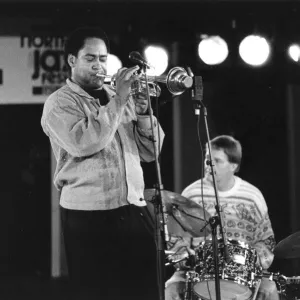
(178,81)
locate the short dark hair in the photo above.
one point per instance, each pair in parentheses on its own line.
(231,147)
(76,39)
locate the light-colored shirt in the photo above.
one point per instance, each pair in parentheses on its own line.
(98,148)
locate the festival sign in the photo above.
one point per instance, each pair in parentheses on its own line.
(31,68)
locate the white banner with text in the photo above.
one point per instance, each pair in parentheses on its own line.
(31,68)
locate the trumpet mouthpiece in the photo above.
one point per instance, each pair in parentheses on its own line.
(101,75)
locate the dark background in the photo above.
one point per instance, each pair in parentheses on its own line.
(258,106)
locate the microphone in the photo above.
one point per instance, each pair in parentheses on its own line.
(197,94)
(198,89)
(137,58)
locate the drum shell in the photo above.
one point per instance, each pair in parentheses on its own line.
(238,276)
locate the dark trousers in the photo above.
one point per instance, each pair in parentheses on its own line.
(111,255)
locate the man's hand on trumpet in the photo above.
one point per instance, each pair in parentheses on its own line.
(124,82)
(124,79)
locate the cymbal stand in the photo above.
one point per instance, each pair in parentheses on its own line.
(160,225)
(197,96)
(191,277)
(280,280)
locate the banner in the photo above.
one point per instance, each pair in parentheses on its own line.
(31,68)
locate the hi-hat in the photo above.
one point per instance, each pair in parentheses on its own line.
(288,247)
(184,216)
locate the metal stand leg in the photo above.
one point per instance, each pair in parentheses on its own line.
(256,290)
(191,278)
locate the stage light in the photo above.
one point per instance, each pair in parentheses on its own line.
(294,52)
(158,58)
(254,50)
(113,64)
(212,50)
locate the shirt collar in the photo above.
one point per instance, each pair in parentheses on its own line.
(81,92)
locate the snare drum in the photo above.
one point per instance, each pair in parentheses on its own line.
(238,278)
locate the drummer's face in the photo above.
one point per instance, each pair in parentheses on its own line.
(224,170)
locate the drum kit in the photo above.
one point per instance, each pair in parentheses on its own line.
(240,277)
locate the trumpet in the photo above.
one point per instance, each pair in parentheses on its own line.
(137,87)
(177,81)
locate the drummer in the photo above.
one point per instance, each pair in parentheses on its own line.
(244,214)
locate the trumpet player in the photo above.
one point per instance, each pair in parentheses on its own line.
(99,137)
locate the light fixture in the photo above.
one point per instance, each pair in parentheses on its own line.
(113,64)
(254,50)
(294,52)
(212,50)
(157,57)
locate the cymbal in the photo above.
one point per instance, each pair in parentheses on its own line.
(288,247)
(184,217)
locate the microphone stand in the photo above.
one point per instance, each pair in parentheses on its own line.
(160,233)
(215,221)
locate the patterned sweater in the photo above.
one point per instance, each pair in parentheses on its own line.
(245,214)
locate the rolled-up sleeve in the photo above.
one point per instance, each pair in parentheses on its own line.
(76,128)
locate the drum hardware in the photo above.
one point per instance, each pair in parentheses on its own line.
(199,276)
(238,278)
(282,282)
(183,217)
(172,261)
(215,221)
(278,278)
(192,277)
(168,252)
(288,248)
(256,289)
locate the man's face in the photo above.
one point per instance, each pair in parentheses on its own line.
(91,59)
(224,170)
